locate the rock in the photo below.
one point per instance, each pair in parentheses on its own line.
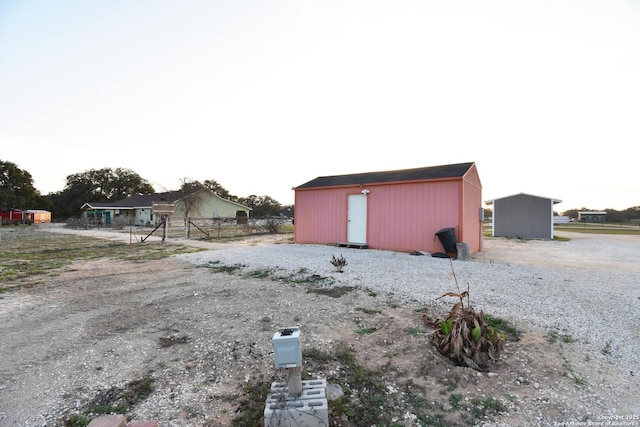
(334,391)
(109,421)
(143,424)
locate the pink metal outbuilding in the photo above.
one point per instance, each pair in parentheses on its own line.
(400,210)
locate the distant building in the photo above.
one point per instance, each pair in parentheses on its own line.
(523,216)
(31,216)
(138,209)
(38,216)
(589,216)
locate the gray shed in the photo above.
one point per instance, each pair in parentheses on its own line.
(523,216)
(592,216)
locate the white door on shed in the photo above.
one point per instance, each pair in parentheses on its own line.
(357,217)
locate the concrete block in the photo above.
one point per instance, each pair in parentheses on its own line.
(463,251)
(320,383)
(308,409)
(312,393)
(307,384)
(297,413)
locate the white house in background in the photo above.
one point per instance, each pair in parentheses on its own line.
(557,219)
(138,209)
(523,216)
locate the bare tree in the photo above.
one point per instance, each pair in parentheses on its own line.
(192,200)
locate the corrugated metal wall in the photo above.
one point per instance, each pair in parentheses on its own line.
(523,216)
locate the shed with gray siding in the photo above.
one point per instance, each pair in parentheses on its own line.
(523,216)
(598,217)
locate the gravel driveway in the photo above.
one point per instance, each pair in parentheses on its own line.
(588,286)
(102,324)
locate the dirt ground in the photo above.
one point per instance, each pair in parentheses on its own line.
(205,337)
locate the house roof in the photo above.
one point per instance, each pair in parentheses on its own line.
(417,174)
(490,202)
(147,200)
(136,201)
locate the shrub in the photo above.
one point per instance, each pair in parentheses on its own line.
(338,263)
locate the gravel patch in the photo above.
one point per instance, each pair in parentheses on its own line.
(586,288)
(204,335)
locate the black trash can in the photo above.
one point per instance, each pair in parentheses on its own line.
(447,238)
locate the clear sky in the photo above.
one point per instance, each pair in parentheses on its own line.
(263,96)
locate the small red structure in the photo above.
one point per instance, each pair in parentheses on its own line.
(15,216)
(31,216)
(399,210)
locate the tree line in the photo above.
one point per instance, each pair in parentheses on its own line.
(106,185)
(110,185)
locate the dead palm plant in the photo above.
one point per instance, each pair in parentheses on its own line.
(338,263)
(464,335)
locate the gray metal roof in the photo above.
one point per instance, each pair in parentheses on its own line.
(417,174)
(490,202)
(139,200)
(147,200)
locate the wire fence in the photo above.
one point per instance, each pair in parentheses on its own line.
(189,228)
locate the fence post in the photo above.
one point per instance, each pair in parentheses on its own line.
(164,228)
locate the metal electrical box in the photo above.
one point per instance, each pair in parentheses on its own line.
(286,348)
